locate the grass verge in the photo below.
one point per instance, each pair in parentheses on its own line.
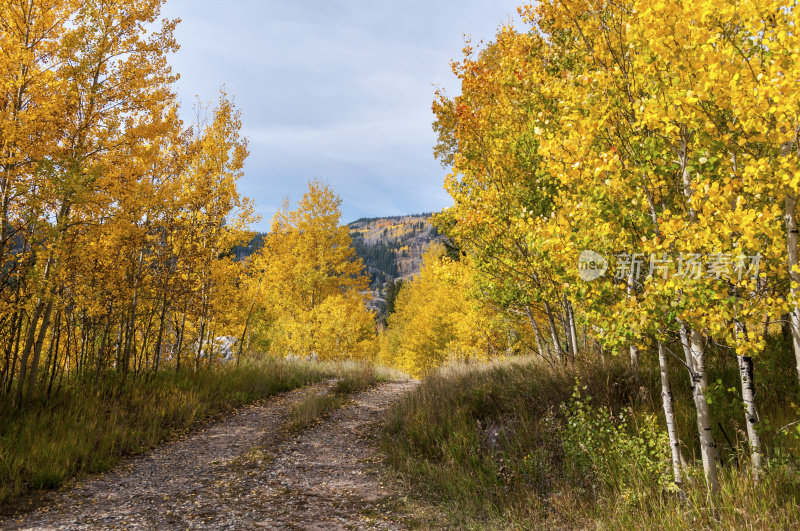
(519,445)
(91,424)
(352,378)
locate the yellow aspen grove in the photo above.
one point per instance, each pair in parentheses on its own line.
(108,79)
(599,329)
(573,137)
(667,126)
(311,283)
(437,320)
(30,117)
(737,213)
(506,214)
(216,216)
(115,218)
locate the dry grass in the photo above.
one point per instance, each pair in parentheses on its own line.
(488,445)
(351,378)
(90,425)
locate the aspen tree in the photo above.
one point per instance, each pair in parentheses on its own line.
(312,282)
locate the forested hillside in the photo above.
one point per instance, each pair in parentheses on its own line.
(391,249)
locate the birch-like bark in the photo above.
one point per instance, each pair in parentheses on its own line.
(687,348)
(686,177)
(669,415)
(572,331)
(694,340)
(567,335)
(585,344)
(540,346)
(554,332)
(200,342)
(708,448)
(634,354)
(544,349)
(751,416)
(791,244)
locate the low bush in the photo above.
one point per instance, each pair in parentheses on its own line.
(516,444)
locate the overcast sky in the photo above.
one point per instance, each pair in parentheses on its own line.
(340,90)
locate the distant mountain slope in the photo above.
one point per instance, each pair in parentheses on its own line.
(392,247)
(240,252)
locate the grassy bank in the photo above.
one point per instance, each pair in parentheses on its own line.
(351,380)
(519,444)
(89,427)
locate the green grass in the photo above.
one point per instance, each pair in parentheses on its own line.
(91,424)
(494,446)
(351,379)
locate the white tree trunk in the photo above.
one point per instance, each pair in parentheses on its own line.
(708,448)
(692,342)
(554,333)
(750,414)
(669,415)
(540,345)
(687,348)
(572,331)
(544,349)
(791,244)
(568,338)
(634,353)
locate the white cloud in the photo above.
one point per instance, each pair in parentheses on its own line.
(333,89)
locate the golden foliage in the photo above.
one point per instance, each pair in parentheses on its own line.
(114,216)
(310,301)
(436,321)
(575,136)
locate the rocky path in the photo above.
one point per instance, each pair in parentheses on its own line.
(244,473)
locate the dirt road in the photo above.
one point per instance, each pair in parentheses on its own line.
(244,472)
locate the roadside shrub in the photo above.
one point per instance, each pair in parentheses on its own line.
(623,452)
